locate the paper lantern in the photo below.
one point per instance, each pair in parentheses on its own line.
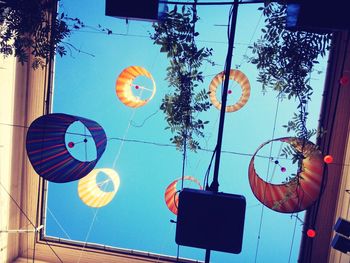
(124,85)
(297,194)
(47,150)
(92,193)
(237,76)
(171,193)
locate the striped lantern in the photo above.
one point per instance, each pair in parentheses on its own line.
(237,76)
(171,193)
(297,194)
(125,83)
(92,193)
(47,150)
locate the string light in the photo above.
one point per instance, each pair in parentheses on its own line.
(311,233)
(328,159)
(344,80)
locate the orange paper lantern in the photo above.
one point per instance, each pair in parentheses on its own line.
(125,83)
(171,193)
(297,194)
(237,76)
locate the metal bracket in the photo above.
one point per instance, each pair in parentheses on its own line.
(20,231)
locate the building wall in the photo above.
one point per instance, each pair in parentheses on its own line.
(22,94)
(335,120)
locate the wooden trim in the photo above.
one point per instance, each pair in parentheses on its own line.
(335,117)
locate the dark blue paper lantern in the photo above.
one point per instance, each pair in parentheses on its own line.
(48,153)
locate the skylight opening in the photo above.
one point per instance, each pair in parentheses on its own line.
(139,151)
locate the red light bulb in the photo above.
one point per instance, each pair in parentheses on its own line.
(328,159)
(229,91)
(283,169)
(311,233)
(137,87)
(71,144)
(344,80)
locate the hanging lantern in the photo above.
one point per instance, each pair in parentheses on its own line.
(125,83)
(237,76)
(171,193)
(297,194)
(48,153)
(94,193)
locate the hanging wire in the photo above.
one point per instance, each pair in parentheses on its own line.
(90,228)
(58,223)
(173,146)
(291,245)
(26,216)
(145,120)
(124,139)
(267,174)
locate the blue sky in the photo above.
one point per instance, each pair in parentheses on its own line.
(138,218)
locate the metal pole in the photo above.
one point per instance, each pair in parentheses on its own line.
(215,184)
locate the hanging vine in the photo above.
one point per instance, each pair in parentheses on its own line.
(285,60)
(176,35)
(32,27)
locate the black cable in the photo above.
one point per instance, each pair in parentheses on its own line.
(206,177)
(144,121)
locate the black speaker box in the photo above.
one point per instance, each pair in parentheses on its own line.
(317,15)
(210,220)
(341,243)
(343,227)
(133,9)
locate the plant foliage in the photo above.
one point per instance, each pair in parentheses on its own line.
(285,60)
(27,27)
(176,35)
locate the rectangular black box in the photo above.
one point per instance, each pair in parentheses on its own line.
(133,9)
(210,220)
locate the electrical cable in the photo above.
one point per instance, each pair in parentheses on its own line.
(172,146)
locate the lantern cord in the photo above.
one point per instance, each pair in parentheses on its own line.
(250,41)
(124,139)
(90,229)
(144,121)
(267,175)
(291,245)
(58,223)
(26,216)
(172,146)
